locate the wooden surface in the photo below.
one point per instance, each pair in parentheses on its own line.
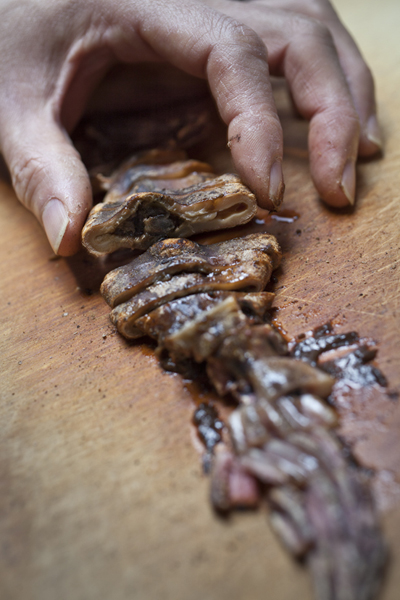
(101,491)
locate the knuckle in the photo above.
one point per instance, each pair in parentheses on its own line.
(348,117)
(238,35)
(363,73)
(235,47)
(247,37)
(319,10)
(312,29)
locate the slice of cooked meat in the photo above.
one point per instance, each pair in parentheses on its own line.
(145,217)
(231,485)
(200,337)
(104,177)
(251,259)
(227,368)
(289,519)
(311,347)
(149,172)
(251,356)
(169,318)
(124,316)
(344,355)
(352,367)
(208,424)
(277,376)
(304,411)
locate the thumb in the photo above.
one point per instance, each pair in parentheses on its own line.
(49,178)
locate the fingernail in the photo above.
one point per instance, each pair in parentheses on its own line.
(373,131)
(55,222)
(348,183)
(276,185)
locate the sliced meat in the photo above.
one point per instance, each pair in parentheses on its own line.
(342,355)
(277,376)
(140,174)
(140,219)
(321,503)
(306,410)
(251,258)
(199,338)
(352,367)
(209,425)
(169,318)
(124,316)
(205,304)
(231,485)
(251,356)
(311,347)
(227,368)
(290,520)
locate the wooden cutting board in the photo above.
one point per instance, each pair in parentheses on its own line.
(101,490)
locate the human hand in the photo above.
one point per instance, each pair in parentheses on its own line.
(330,83)
(55,54)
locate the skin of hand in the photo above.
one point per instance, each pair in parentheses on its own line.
(330,83)
(55,54)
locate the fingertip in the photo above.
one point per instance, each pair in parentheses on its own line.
(70,242)
(256,144)
(276,185)
(55,222)
(342,193)
(49,178)
(336,199)
(335,180)
(348,181)
(62,230)
(371,141)
(271,191)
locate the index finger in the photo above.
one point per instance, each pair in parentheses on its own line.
(205,43)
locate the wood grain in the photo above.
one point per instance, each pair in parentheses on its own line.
(101,491)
